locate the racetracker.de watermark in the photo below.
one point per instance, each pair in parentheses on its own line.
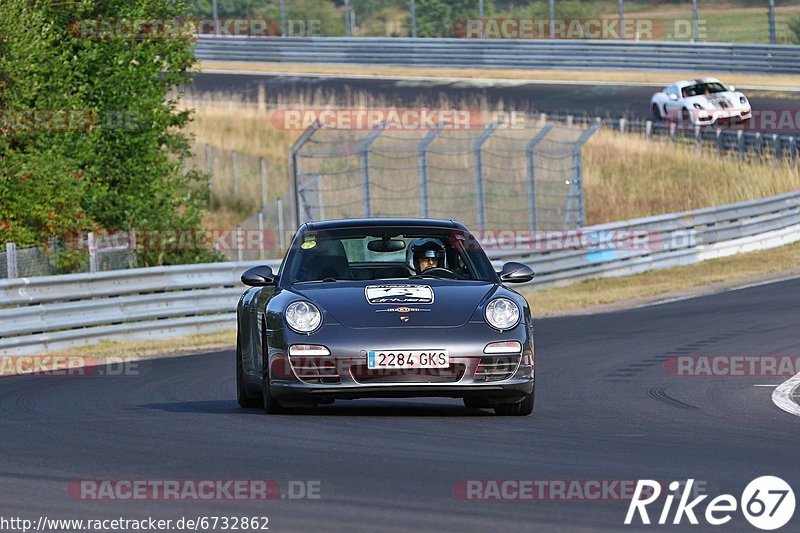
(736,118)
(393,118)
(725,366)
(70,366)
(136,29)
(193,489)
(548,489)
(638,29)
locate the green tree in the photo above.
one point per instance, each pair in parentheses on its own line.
(120,168)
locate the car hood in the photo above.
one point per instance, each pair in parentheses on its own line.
(427,302)
(725,100)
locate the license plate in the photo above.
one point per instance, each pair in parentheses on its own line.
(407,359)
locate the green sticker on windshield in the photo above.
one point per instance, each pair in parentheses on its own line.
(308,245)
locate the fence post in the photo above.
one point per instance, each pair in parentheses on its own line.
(740,143)
(209,170)
(542,119)
(235,162)
(720,145)
(695,24)
(698,138)
(422,168)
(776,145)
(648,129)
(576,184)
(477,148)
(772,39)
(293,171)
(283,18)
(793,148)
(263,165)
(759,144)
(570,119)
(92,244)
(622,125)
(413,20)
(281,226)
(261,243)
(535,140)
(363,151)
(239,250)
(11,260)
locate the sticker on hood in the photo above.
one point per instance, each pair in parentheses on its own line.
(399,294)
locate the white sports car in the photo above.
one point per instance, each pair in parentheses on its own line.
(700,102)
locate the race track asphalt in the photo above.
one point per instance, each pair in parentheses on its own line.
(595,100)
(606,409)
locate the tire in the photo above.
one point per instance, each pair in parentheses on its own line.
(270,404)
(657,112)
(523,408)
(244,398)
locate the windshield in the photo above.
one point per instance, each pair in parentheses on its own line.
(703,88)
(386,253)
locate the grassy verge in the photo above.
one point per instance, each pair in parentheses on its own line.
(703,278)
(601,76)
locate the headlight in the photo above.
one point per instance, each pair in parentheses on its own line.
(303,317)
(698,106)
(502,314)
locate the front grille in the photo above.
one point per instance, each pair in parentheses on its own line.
(450,374)
(317,370)
(496,367)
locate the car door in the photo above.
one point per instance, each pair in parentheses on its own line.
(674,101)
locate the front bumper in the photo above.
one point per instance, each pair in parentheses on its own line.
(712,116)
(343,374)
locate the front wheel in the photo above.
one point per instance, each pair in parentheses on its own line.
(657,112)
(244,398)
(523,408)
(271,405)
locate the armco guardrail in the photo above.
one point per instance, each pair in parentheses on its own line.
(522,54)
(56,312)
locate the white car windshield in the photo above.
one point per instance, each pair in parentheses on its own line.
(703,88)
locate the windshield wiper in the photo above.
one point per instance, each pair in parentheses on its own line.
(323,280)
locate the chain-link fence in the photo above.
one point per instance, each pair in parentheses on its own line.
(88,253)
(495,177)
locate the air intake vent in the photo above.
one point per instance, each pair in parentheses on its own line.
(317,370)
(496,367)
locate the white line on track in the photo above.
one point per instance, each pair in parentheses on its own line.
(782,396)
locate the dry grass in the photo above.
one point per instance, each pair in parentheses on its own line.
(629,177)
(604,76)
(706,277)
(626,176)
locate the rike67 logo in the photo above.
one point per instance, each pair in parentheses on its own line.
(767,503)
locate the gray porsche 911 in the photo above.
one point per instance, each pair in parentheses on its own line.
(385,308)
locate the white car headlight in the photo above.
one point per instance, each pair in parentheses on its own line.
(303,317)
(502,314)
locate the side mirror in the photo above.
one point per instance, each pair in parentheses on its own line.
(731,88)
(259,276)
(516,273)
(673,96)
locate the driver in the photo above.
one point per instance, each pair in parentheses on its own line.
(424,254)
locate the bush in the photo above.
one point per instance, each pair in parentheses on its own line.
(117,166)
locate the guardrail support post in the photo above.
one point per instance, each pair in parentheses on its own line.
(793,148)
(759,145)
(720,146)
(622,125)
(92,245)
(569,120)
(776,145)
(698,138)
(11,260)
(477,149)
(648,130)
(422,168)
(531,167)
(542,119)
(673,132)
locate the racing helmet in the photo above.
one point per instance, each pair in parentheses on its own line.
(424,247)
